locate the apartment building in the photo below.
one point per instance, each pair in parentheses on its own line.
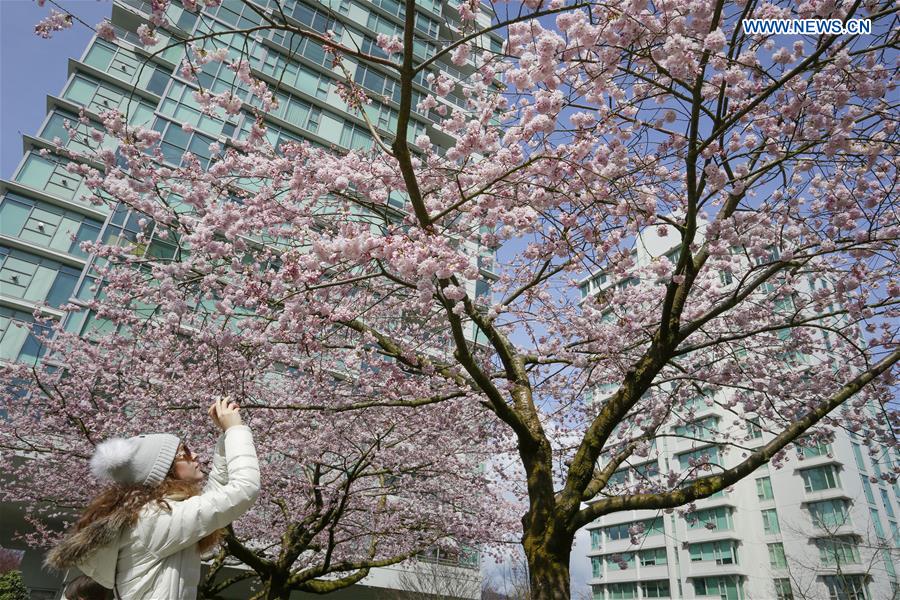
(817,528)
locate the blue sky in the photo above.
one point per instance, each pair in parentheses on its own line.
(31,67)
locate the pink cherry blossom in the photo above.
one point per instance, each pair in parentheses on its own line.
(55,21)
(724,204)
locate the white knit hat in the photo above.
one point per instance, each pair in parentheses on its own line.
(143,459)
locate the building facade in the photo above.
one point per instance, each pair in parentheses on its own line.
(817,528)
(44,214)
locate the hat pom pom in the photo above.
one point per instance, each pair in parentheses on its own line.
(110,455)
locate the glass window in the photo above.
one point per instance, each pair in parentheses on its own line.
(13,331)
(703,429)
(770,521)
(55,128)
(718,518)
(876,467)
(889,563)
(18,336)
(653,557)
(36,171)
(376,82)
(216,76)
(176,142)
(316,20)
(820,478)
(127,66)
(649,527)
(812,450)
(36,279)
(829,514)
(290,73)
(858,456)
(618,478)
(876,522)
(101,96)
(14,213)
(620,561)
(646,472)
(63,286)
(100,54)
(179,103)
(838,551)
(392,6)
(295,111)
(596,566)
(157,82)
(846,587)
(354,137)
(723,552)
(656,589)
(51,176)
(754,428)
(764,488)
(276,136)
(726,588)
(237,13)
(777,559)
(783,589)
(653,526)
(80,90)
(887,502)
(617,532)
(596,537)
(689,460)
(304,46)
(428,26)
(621,591)
(867,489)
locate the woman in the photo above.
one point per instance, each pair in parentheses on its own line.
(143,536)
(85,588)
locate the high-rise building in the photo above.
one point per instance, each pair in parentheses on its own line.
(44,215)
(816,528)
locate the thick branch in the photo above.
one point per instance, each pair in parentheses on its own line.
(707,486)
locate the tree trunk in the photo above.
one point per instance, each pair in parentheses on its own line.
(545,537)
(273,589)
(548,568)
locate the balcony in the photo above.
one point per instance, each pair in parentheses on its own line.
(637,573)
(815,461)
(842,529)
(711,568)
(827,494)
(625,545)
(726,499)
(845,569)
(693,536)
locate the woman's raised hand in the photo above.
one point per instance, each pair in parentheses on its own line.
(224,413)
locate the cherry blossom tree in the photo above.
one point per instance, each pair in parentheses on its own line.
(343,491)
(766,163)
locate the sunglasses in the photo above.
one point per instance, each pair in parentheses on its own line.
(184,453)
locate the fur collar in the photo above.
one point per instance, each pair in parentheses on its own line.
(77,546)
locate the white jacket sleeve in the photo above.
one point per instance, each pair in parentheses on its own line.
(218,474)
(166,532)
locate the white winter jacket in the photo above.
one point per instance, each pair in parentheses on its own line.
(157,558)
